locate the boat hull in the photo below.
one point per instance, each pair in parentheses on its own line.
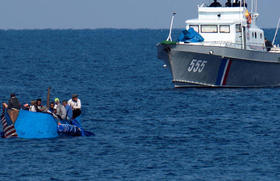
(39,125)
(206,66)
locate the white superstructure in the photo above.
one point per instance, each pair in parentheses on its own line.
(228,26)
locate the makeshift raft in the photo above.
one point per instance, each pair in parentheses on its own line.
(39,125)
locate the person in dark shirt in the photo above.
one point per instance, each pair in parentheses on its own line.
(38,105)
(215,4)
(51,109)
(236,3)
(228,3)
(268,44)
(13,107)
(244,4)
(13,102)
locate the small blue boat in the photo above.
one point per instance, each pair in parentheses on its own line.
(39,125)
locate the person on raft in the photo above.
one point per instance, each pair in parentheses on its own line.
(60,110)
(76,106)
(13,102)
(38,105)
(51,109)
(32,106)
(69,112)
(12,107)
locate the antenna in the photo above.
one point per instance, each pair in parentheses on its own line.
(254,10)
(252,6)
(169,38)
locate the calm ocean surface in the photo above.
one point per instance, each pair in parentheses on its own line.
(145,129)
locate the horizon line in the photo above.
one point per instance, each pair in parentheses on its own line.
(113,28)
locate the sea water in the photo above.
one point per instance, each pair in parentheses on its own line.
(144,128)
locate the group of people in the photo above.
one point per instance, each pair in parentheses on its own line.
(66,111)
(236,3)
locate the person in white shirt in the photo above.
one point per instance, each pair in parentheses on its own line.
(76,105)
(32,106)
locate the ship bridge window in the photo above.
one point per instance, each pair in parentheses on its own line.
(238,28)
(195,27)
(224,29)
(209,29)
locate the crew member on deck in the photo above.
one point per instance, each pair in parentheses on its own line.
(236,3)
(228,3)
(244,4)
(75,103)
(268,44)
(215,4)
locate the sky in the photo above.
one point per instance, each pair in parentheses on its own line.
(131,14)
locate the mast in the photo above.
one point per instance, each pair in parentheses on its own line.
(243,29)
(254,10)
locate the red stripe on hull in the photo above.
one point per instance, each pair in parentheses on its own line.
(227,72)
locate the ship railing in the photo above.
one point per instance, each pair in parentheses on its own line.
(275,49)
(251,46)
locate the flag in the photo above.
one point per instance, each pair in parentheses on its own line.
(8,126)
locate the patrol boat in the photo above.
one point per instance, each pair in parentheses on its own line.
(223,47)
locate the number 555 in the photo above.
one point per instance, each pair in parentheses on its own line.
(197,65)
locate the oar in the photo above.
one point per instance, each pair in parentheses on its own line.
(48,97)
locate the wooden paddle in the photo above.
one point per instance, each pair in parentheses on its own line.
(48,97)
